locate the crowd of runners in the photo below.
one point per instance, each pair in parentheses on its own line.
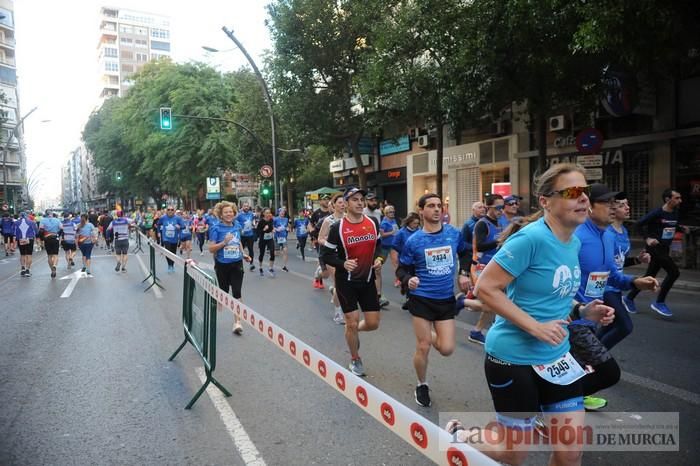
(550,288)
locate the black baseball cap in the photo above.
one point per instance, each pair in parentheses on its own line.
(601,193)
(324,196)
(352,191)
(371,196)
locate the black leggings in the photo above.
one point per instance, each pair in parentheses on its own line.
(230,275)
(660,260)
(248,243)
(270,244)
(301,246)
(200,240)
(172,247)
(605,375)
(621,326)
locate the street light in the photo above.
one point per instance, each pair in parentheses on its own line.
(266,94)
(4,153)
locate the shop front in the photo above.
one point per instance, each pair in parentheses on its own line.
(390,185)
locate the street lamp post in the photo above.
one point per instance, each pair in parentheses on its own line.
(268,99)
(4,152)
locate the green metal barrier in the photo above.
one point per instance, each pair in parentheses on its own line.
(199,324)
(152,268)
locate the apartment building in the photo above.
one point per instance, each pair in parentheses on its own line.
(128,39)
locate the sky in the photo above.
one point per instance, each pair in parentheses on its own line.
(57,70)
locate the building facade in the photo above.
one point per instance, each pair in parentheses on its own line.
(128,39)
(79,183)
(12,161)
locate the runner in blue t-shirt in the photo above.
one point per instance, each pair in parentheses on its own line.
(528,365)
(225,244)
(49,229)
(170,226)
(281,227)
(68,239)
(427,267)
(186,235)
(301,230)
(8,228)
(246,218)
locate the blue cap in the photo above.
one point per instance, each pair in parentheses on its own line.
(352,191)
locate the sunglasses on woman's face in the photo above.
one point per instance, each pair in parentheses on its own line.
(572,192)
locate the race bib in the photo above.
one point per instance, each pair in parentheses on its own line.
(281,240)
(247,226)
(596,284)
(232,250)
(668,233)
(563,371)
(439,260)
(267,236)
(23,241)
(170,231)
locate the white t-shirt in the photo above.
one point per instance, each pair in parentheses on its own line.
(376,213)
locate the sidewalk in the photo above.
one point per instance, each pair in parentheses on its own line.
(688,281)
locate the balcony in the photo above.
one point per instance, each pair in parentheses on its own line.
(9,61)
(8,42)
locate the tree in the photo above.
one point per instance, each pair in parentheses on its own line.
(317,50)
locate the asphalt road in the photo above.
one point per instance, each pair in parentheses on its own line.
(86,378)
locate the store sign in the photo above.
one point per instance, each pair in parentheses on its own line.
(391,176)
(460,159)
(594,174)
(336,166)
(394,146)
(587,161)
(504,189)
(610,157)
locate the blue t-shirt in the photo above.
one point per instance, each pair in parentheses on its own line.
(8,225)
(247,220)
(170,228)
(546,277)
(68,227)
(300,226)
(401,237)
(232,252)
(280,224)
(25,229)
(434,258)
(468,232)
(186,232)
(597,260)
(621,248)
(87,232)
(386,226)
(50,225)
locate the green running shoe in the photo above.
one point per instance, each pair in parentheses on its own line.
(592,403)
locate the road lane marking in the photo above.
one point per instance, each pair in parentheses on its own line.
(74,279)
(250,454)
(650,384)
(146,273)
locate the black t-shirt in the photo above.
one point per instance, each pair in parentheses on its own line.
(316,221)
(660,225)
(105,221)
(265,230)
(92,218)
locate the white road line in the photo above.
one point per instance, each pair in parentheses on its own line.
(250,454)
(650,384)
(155,288)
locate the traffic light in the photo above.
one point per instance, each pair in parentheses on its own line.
(266,190)
(166,121)
(118,176)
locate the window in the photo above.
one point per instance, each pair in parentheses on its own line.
(125,40)
(127,68)
(123,28)
(110,52)
(160,45)
(127,55)
(141,43)
(160,33)
(141,57)
(114,79)
(111,66)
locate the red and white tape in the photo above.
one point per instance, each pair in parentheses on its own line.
(423,435)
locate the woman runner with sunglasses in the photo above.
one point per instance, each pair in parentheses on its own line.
(528,365)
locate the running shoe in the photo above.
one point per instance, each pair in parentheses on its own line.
(662,309)
(28,273)
(262,274)
(383,302)
(72,263)
(320,284)
(316,283)
(237,329)
(83,269)
(404,306)
(592,403)
(88,272)
(476,336)
(356,367)
(285,268)
(123,269)
(338,317)
(252,267)
(331,289)
(116,269)
(53,272)
(422,394)
(629,305)
(23,273)
(201,253)
(271,273)
(540,426)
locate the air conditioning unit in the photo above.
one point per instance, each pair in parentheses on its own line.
(424,140)
(413,133)
(557,123)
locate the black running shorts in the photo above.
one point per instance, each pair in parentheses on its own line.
(431,309)
(356,295)
(68,246)
(26,249)
(121,246)
(517,391)
(51,245)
